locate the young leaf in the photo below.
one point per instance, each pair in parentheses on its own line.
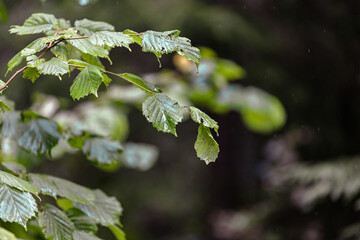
(88,27)
(90,59)
(202,118)
(54,66)
(105,79)
(206,147)
(85,46)
(134,35)
(104,210)
(40,136)
(4,107)
(118,233)
(31,73)
(81,221)
(60,51)
(10,125)
(33,61)
(54,186)
(139,155)
(81,235)
(101,150)
(166,42)
(37,23)
(16,206)
(88,81)
(16,182)
(111,39)
(6,235)
(139,82)
(55,224)
(163,112)
(15,61)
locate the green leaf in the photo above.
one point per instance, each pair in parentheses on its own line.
(31,73)
(33,61)
(54,66)
(163,112)
(16,206)
(134,35)
(104,210)
(64,204)
(90,59)
(139,155)
(4,107)
(16,182)
(54,186)
(161,43)
(139,82)
(118,233)
(60,51)
(14,62)
(111,39)
(3,13)
(10,125)
(81,221)
(40,136)
(202,118)
(36,46)
(88,81)
(88,27)
(106,80)
(55,224)
(206,147)
(81,235)
(102,150)
(37,23)
(6,235)
(14,167)
(85,46)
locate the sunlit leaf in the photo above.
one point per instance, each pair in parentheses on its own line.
(85,46)
(31,73)
(54,66)
(6,235)
(202,118)
(102,150)
(88,81)
(54,186)
(118,233)
(40,135)
(81,235)
(81,221)
(163,112)
(139,155)
(206,147)
(4,107)
(111,39)
(37,23)
(88,27)
(104,210)
(134,35)
(16,182)
(55,224)
(16,206)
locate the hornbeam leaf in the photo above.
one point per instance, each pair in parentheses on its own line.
(163,112)
(102,150)
(85,46)
(14,62)
(202,118)
(118,233)
(6,235)
(81,235)
(54,66)
(111,39)
(40,136)
(10,125)
(4,107)
(161,43)
(88,27)
(16,182)
(31,73)
(139,155)
(60,51)
(104,210)
(90,59)
(206,147)
(88,81)
(16,206)
(134,35)
(14,167)
(37,23)
(54,186)
(81,221)
(139,82)
(55,224)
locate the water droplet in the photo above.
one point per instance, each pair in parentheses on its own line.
(309,50)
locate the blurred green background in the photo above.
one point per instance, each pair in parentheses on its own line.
(297,182)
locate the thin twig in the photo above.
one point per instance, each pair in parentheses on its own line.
(12,78)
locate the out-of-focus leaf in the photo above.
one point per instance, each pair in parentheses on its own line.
(3,13)
(37,23)
(55,224)
(104,210)
(206,147)
(88,27)
(101,150)
(81,221)
(16,206)
(54,66)
(229,70)
(64,204)
(202,118)
(88,81)
(6,235)
(40,136)
(111,39)
(118,233)
(16,182)
(10,125)
(54,186)
(81,235)
(14,167)
(163,112)
(139,155)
